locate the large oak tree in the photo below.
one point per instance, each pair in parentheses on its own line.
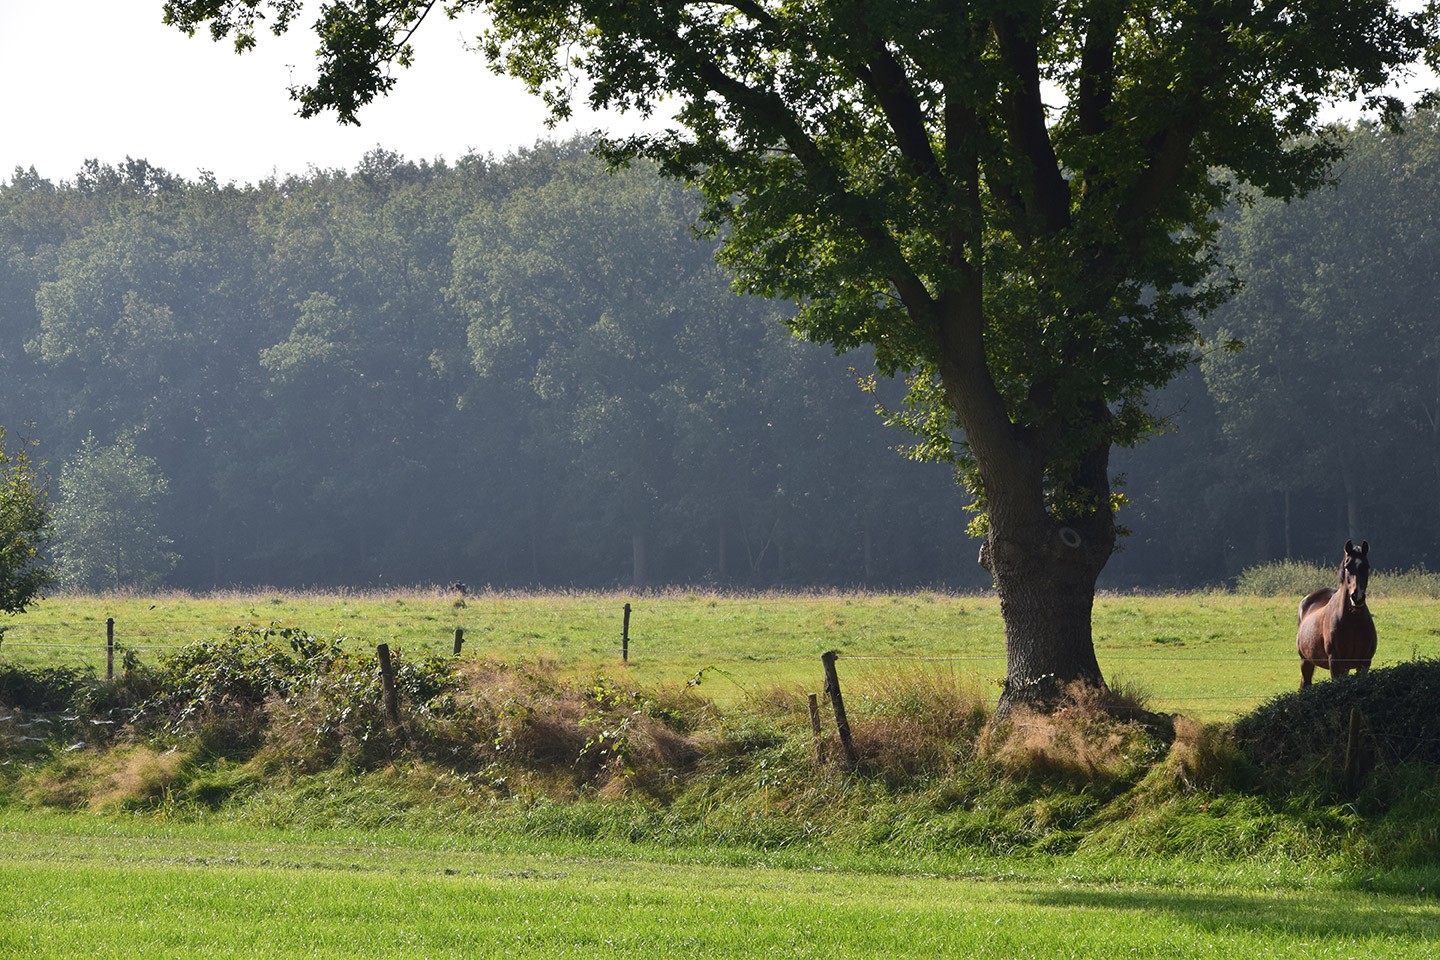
(1011,201)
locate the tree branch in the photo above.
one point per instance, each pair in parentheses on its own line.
(890,84)
(1097,69)
(766,106)
(1168,150)
(1048,198)
(887,80)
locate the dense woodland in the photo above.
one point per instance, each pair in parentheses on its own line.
(529,371)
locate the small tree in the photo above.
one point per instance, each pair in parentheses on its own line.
(107,522)
(24,531)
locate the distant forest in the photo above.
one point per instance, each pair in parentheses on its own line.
(529,371)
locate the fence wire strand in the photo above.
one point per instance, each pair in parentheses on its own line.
(188,631)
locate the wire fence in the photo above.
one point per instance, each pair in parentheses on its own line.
(103,641)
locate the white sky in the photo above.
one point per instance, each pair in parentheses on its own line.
(105,79)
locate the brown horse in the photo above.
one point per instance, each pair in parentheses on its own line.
(1336,631)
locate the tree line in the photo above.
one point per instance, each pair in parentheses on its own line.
(525,371)
(1313,414)
(530,371)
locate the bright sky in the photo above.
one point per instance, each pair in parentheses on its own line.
(105,79)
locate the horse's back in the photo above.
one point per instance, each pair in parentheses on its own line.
(1318,599)
(1310,632)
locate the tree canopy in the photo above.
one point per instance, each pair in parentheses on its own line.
(410,373)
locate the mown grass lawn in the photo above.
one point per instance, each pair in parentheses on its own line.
(1210,655)
(76,887)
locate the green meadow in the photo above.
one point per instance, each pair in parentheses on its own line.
(1209,655)
(101,887)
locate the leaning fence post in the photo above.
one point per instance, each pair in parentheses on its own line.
(625,636)
(459,639)
(109,648)
(832,687)
(387,683)
(815,732)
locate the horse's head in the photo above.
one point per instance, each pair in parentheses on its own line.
(1355,572)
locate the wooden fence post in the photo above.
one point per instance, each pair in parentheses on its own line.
(459,639)
(387,683)
(1351,775)
(837,701)
(109,648)
(625,637)
(815,731)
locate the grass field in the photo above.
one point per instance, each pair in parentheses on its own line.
(1210,655)
(760,851)
(91,887)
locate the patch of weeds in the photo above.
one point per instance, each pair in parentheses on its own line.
(41,688)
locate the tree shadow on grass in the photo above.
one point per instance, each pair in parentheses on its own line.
(1307,914)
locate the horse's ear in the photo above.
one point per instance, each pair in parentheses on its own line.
(1364,547)
(1349,547)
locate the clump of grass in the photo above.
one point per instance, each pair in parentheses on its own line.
(1205,758)
(522,729)
(130,777)
(1091,737)
(918,725)
(218,690)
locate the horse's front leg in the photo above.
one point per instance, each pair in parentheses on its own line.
(1307,671)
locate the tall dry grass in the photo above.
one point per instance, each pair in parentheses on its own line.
(1092,735)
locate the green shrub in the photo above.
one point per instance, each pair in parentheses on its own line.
(1285,578)
(216,690)
(41,688)
(1294,578)
(1417,582)
(334,712)
(1299,734)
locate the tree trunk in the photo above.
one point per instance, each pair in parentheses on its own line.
(1045,569)
(640,572)
(722,559)
(1352,501)
(1046,546)
(1263,553)
(1046,586)
(869,555)
(1289,553)
(539,530)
